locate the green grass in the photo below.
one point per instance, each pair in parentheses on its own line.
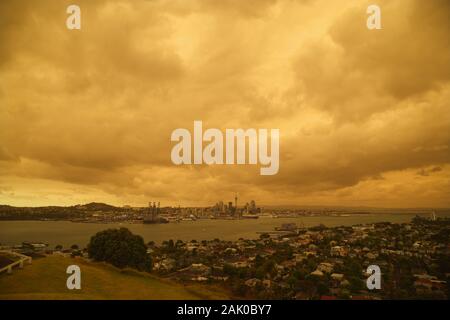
(46,279)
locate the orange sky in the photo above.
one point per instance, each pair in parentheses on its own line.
(86,115)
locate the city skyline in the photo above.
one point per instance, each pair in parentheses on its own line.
(241,206)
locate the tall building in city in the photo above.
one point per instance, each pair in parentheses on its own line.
(433,216)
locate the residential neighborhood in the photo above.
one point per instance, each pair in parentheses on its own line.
(319,262)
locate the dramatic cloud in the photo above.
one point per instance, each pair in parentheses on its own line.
(86,115)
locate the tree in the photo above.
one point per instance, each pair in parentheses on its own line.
(179,243)
(121,248)
(264,236)
(75,253)
(356,284)
(74,247)
(269,267)
(322,288)
(58,247)
(239,289)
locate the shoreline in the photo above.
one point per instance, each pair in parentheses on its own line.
(68,233)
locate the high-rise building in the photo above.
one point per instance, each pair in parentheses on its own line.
(433,216)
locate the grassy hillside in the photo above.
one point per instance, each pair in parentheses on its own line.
(46,279)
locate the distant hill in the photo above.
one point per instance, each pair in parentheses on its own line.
(56,212)
(97,206)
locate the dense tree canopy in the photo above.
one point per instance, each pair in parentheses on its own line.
(121,248)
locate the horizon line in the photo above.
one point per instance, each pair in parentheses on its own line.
(263,205)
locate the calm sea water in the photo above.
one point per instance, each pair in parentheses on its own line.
(68,233)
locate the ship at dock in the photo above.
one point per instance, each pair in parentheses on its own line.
(152,214)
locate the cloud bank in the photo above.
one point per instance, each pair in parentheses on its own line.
(87,115)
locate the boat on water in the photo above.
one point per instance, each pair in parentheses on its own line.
(249,216)
(155,220)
